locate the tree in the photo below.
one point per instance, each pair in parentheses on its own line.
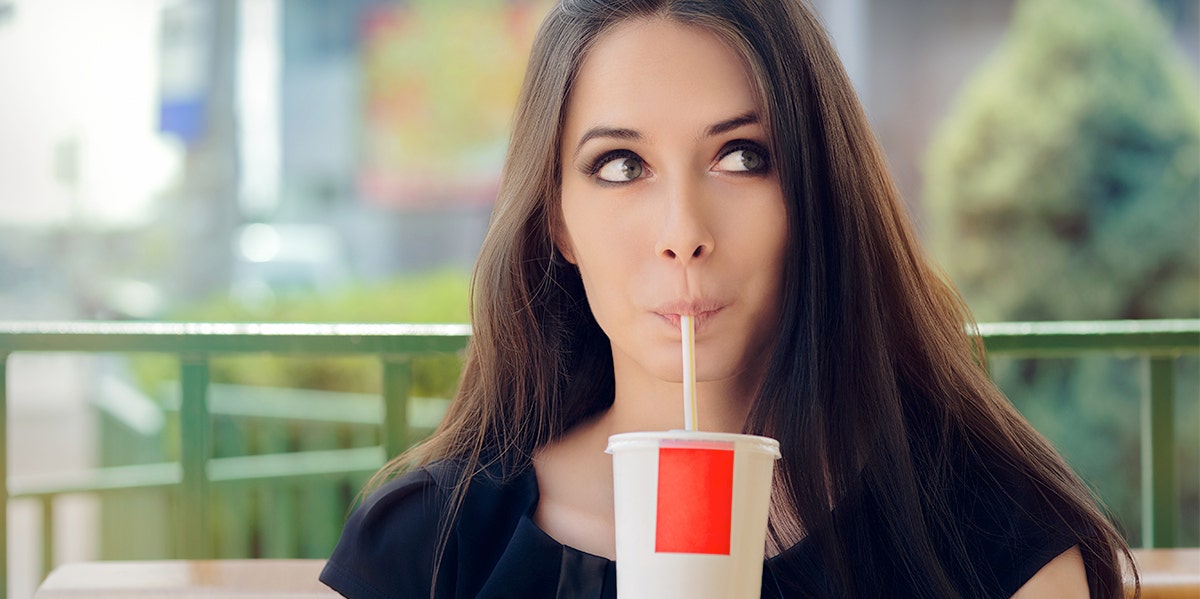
(1065,185)
(1066,181)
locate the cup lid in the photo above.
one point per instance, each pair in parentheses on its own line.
(682,437)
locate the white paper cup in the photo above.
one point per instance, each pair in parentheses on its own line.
(691,513)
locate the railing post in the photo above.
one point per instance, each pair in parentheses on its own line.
(397,377)
(4,474)
(1160,499)
(47,535)
(195,431)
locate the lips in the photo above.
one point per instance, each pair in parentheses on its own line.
(702,310)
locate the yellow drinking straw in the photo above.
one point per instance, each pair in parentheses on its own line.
(687,329)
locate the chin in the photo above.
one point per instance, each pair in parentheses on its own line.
(665,364)
(668,371)
(718,374)
(705,372)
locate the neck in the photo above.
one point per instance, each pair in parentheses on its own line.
(642,402)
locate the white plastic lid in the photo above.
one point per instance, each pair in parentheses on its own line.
(647,439)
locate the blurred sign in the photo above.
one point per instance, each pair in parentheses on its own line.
(440,83)
(185,68)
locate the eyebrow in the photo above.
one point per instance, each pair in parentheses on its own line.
(607,132)
(741,120)
(747,118)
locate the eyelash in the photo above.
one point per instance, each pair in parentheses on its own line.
(745,144)
(595,165)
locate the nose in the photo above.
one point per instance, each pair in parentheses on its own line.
(686,234)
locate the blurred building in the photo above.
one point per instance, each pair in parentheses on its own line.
(364,136)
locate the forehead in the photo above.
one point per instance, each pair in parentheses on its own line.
(655,72)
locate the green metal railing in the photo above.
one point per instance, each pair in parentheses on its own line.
(1157,342)
(195,344)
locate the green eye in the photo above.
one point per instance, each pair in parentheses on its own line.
(751,161)
(621,169)
(743,159)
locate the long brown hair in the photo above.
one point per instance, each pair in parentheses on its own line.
(876,384)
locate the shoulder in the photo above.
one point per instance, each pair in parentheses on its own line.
(388,543)
(1016,530)
(1065,576)
(415,528)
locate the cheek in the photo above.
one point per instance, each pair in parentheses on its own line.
(763,242)
(586,249)
(759,233)
(576,218)
(578,243)
(600,234)
(606,250)
(775,233)
(604,264)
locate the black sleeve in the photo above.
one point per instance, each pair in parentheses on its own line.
(1029,542)
(1016,530)
(387,547)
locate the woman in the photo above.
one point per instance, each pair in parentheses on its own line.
(710,158)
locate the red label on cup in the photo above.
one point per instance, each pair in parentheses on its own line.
(695,500)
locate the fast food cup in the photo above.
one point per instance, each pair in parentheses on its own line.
(691,513)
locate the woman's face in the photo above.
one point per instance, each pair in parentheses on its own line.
(670,202)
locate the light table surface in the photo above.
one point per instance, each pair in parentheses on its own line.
(212,579)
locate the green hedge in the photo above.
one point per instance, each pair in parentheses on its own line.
(438,297)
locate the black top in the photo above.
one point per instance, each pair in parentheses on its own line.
(495,550)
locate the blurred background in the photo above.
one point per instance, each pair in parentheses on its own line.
(336,160)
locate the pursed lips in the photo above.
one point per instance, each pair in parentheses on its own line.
(702,310)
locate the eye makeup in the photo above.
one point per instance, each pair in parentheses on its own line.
(592,167)
(745,145)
